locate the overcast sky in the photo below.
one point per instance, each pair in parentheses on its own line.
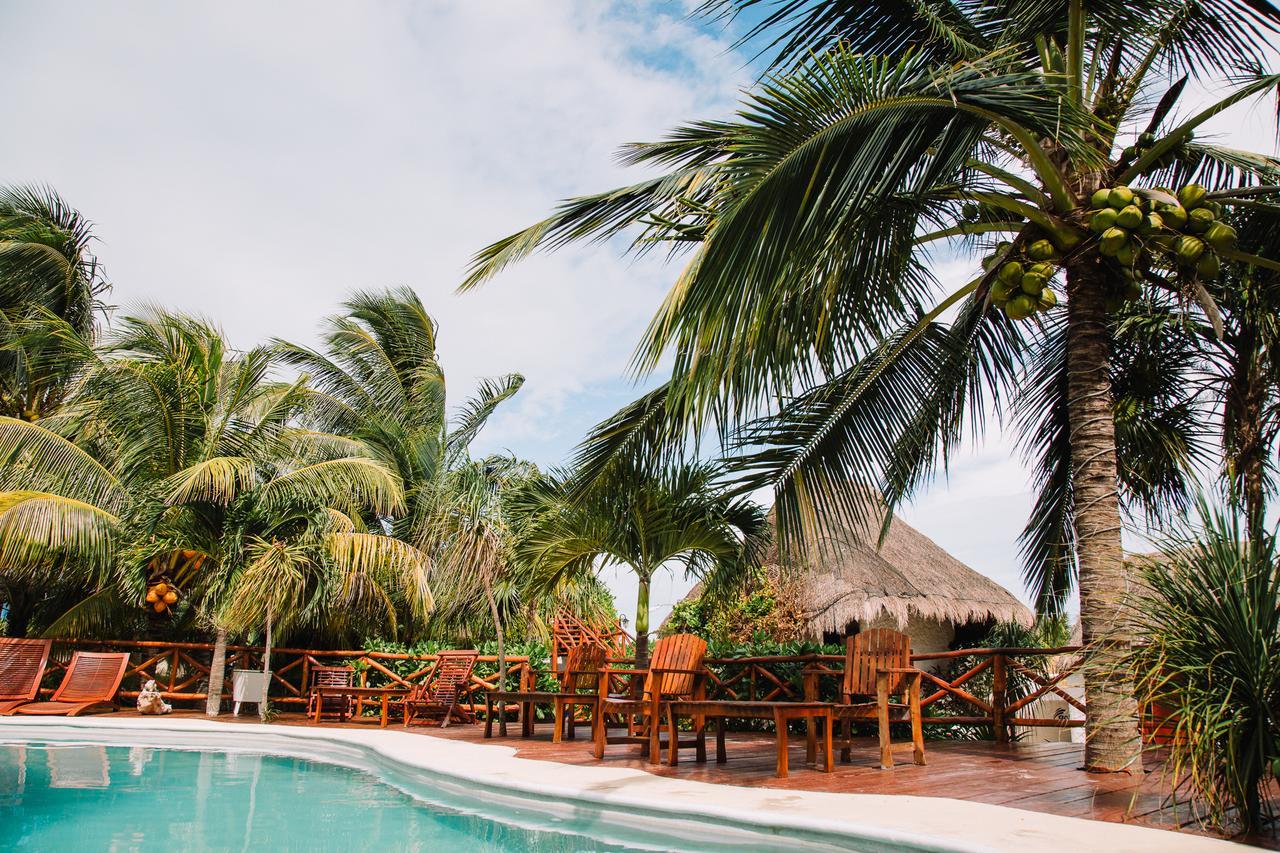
(255,162)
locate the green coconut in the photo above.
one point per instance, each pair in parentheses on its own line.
(1208,266)
(1103,219)
(1041,250)
(1101,198)
(1045,269)
(1191,195)
(1199,220)
(1174,215)
(1011,272)
(1020,307)
(1129,217)
(1047,300)
(1221,236)
(1120,197)
(1151,223)
(1189,249)
(1127,254)
(1002,290)
(1032,284)
(1112,240)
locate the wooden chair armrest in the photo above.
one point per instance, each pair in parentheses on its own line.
(665,670)
(900,670)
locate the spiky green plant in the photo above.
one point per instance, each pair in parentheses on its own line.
(1208,611)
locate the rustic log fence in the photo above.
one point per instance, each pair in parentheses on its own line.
(181,671)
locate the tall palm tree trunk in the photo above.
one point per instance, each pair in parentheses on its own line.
(217,670)
(266,670)
(642,620)
(1112,740)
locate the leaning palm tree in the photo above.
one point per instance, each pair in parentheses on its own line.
(173,445)
(1045,134)
(644,519)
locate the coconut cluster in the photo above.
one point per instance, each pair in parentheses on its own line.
(1185,233)
(162,596)
(1021,287)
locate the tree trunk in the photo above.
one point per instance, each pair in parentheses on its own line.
(642,621)
(266,670)
(496,615)
(1112,740)
(217,672)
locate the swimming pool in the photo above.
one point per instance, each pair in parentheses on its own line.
(68,796)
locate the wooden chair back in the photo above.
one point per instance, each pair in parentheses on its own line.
(92,676)
(450,678)
(333,676)
(872,650)
(582,668)
(677,651)
(22,665)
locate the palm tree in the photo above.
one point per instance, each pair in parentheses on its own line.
(50,286)
(173,445)
(378,380)
(883,130)
(644,519)
(471,527)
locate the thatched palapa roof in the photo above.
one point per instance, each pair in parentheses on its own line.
(848,578)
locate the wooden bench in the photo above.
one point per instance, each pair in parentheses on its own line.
(780,712)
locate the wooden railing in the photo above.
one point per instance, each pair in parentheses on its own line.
(181,670)
(994,706)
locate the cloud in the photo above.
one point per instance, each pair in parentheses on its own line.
(256,162)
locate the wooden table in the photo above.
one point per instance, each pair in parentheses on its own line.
(780,712)
(527,699)
(386,694)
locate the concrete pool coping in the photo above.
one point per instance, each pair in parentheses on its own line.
(929,823)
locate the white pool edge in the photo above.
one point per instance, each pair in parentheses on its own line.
(931,823)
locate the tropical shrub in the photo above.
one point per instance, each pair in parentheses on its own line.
(767,608)
(1209,610)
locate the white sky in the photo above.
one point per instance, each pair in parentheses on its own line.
(255,162)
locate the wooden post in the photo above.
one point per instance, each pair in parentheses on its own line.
(999,697)
(810,724)
(882,720)
(266,670)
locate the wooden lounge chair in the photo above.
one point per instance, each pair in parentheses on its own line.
(22,665)
(90,684)
(341,707)
(675,672)
(578,686)
(878,664)
(438,696)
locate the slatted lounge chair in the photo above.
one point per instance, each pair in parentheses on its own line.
(675,673)
(878,665)
(90,684)
(438,696)
(578,686)
(22,666)
(341,707)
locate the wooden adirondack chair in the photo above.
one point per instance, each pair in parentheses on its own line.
(439,694)
(341,707)
(22,666)
(90,683)
(675,672)
(578,686)
(878,664)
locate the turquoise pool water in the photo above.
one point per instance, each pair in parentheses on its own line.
(88,797)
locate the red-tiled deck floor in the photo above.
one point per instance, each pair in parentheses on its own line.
(1042,777)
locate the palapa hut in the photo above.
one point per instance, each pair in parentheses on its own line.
(847,584)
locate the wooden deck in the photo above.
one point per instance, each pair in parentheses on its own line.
(1037,777)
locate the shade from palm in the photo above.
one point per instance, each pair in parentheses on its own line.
(643,519)
(886,131)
